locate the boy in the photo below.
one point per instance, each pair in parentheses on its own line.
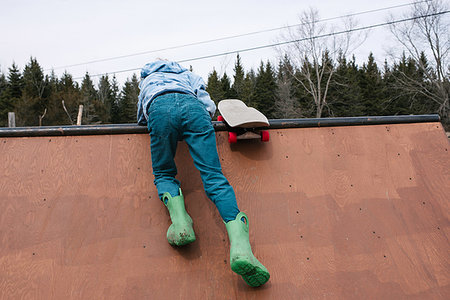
(175,106)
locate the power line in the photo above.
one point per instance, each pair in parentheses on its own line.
(286,42)
(232,36)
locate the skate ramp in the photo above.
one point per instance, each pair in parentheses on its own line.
(348,212)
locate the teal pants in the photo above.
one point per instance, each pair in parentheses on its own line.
(174,117)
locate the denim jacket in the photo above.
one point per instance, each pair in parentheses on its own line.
(163,76)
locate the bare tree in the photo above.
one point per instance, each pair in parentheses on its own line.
(42,117)
(65,109)
(427,32)
(314,50)
(286,104)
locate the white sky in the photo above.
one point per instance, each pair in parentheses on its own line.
(66,32)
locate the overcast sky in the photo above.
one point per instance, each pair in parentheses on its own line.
(60,33)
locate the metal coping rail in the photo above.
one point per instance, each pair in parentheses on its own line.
(218,126)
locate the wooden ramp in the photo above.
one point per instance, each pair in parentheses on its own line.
(335,213)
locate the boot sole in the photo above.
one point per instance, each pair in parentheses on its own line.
(181,237)
(253,275)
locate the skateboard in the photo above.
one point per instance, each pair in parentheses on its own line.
(242,122)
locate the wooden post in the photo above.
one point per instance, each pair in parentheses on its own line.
(80,114)
(11,119)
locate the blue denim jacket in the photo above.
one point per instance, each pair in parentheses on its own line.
(163,76)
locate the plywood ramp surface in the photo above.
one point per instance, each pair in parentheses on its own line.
(337,213)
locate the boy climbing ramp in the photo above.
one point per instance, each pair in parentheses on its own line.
(175,106)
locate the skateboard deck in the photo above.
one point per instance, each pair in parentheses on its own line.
(243,122)
(237,114)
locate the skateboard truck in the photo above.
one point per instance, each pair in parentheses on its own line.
(235,134)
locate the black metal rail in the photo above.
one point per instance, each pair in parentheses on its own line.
(218,126)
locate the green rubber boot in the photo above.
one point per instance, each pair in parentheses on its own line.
(242,260)
(180,232)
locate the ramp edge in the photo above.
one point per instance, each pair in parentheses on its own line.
(108,129)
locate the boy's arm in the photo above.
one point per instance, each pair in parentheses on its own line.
(140,110)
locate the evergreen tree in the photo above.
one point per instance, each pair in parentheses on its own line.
(305,98)
(239,75)
(265,90)
(371,88)
(5,102)
(420,103)
(32,107)
(345,93)
(34,80)
(248,88)
(115,111)
(89,100)
(55,108)
(129,99)
(286,105)
(395,99)
(214,87)
(10,93)
(69,92)
(225,83)
(15,82)
(401,99)
(106,99)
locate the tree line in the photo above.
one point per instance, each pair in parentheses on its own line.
(277,90)
(367,90)
(39,99)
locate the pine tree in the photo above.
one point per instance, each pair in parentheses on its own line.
(106,99)
(239,75)
(10,93)
(5,101)
(115,111)
(345,93)
(225,83)
(55,109)
(396,100)
(265,90)
(34,80)
(422,104)
(32,107)
(129,99)
(401,99)
(304,77)
(15,82)
(371,88)
(248,88)
(214,87)
(286,105)
(69,92)
(88,100)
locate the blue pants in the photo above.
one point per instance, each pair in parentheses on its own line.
(174,117)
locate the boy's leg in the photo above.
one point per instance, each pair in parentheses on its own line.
(200,136)
(163,146)
(163,125)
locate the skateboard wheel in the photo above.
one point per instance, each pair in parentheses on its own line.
(232,137)
(265,136)
(220,118)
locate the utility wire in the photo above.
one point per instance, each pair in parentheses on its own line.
(285,42)
(232,36)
